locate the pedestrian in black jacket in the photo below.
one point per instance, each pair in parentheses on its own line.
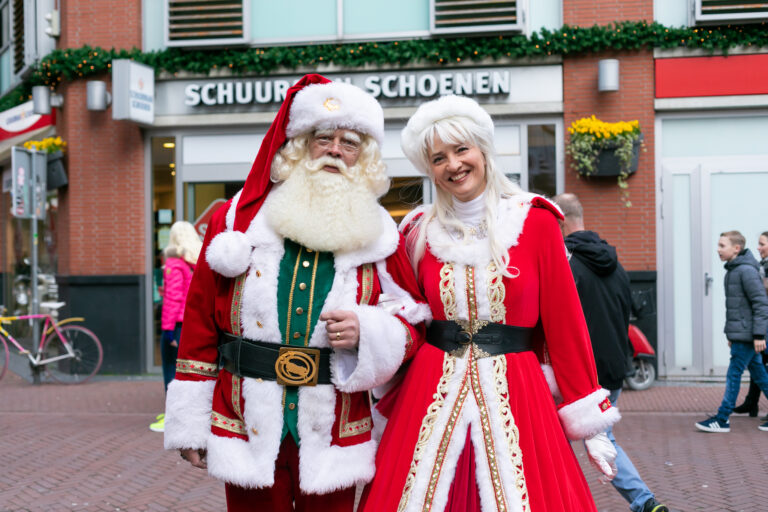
(603,287)
(746,321)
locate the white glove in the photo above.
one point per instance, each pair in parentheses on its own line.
(602,454)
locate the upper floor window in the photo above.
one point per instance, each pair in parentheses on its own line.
(454,16)
(206,22)
(729,10)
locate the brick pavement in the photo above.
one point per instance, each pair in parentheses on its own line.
(88,448)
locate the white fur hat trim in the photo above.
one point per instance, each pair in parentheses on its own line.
(335,105)
(229,253)
(429,113)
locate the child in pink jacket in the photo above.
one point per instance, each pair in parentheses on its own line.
(180,258)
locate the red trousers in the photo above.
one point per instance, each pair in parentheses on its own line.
(285,495)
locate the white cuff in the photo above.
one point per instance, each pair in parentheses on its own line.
(188,414)
(588,416)
(378,356)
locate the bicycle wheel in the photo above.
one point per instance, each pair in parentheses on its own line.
(86,361)
(3,357)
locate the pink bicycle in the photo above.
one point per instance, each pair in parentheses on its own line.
(69,354)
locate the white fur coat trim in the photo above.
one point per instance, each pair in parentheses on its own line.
(511,216)
(412,311)
(583,418)
(378,355)
(549,374)
(188,414)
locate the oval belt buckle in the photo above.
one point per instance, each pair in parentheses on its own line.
(297,366)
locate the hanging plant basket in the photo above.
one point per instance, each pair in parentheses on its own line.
(608,164)
(56,175)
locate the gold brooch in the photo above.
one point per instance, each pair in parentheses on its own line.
(332,104)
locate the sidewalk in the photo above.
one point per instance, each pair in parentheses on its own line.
(89,448)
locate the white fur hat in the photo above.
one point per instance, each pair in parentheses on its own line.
(335,105)
(433,111)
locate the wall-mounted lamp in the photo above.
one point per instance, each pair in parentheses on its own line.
(97,97)
(43,99)
(608,75)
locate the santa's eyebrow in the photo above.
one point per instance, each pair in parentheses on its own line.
(352,136)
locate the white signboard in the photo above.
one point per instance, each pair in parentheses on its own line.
(28,177)
(133,91)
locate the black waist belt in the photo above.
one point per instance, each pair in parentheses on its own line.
(490,340)
(289,366)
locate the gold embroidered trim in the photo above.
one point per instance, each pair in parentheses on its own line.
(311,299)
(290,298)
(496,293)
(490,449)
(444,442)
(471,295)
(427,426)
(237,303)
(448,291)
(352,428)
(237,387)
(221,421)
(367,293)
(510,429)
(408,337)
(196,367)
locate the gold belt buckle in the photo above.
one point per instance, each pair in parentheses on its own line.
(297,366)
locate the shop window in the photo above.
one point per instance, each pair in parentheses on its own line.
(202,199)
(454,16)
(542,168)
(404,195)
(207,22)
(717,11)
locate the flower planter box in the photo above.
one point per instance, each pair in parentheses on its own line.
(607,163)
(56,175)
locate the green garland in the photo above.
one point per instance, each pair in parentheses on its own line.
(76,63)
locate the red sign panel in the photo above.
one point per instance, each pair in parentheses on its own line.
(712,76)
(201,224)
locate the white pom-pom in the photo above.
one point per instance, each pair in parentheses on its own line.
(229,253)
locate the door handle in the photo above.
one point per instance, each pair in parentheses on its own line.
(707,282)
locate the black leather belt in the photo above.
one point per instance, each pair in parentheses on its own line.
(289,366)
(489,339)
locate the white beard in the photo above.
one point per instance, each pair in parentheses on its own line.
(324,211)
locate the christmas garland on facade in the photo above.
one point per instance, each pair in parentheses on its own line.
(76,63)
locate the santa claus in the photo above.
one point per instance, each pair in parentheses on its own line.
(304,301)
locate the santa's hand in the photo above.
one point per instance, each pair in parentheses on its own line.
(194,456)
(602,454)
(343,328)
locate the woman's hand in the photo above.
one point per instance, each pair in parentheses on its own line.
(194,456)
(343,328)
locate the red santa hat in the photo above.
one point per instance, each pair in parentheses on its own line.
(313,103)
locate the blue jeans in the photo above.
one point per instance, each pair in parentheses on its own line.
(627,480)
(743,356)
(169,353)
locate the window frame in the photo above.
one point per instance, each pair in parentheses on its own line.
(518,26)
(193,43)
(699,18)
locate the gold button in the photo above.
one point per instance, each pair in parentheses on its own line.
(258,273)
(310,250)
(255,432)
(302,286)
(296,335)
(299,311)
(259,324)
(305,264)
(291,406)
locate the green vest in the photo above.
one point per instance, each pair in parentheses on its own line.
(303,283)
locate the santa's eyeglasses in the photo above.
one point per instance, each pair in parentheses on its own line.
(345,144)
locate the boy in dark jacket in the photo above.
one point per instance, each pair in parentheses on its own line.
(603,287)
(746,321)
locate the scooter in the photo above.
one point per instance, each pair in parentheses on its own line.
(643,359)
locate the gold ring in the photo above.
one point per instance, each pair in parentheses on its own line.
(338,336)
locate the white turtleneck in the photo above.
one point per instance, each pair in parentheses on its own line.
(472,212)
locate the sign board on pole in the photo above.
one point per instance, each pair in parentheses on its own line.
(40,174)
(21,187)
(133,91)
(201,224)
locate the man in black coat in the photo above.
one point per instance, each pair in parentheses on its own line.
(603,287)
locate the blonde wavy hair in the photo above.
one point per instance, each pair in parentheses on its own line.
(369,167)
(461,130)
(183,242)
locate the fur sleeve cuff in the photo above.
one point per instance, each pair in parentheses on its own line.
(549,374)
(378,356)
(589,415)
(188,414)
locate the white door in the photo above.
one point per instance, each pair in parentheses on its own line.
(700,200)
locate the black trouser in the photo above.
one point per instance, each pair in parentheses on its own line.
(753,396)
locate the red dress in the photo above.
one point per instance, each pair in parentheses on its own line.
(503,404)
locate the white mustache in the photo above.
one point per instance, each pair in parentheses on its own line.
(319,163)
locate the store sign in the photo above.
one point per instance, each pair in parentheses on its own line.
(21,119)
(28,175)
(512,84)
(133,91)
(393,85)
